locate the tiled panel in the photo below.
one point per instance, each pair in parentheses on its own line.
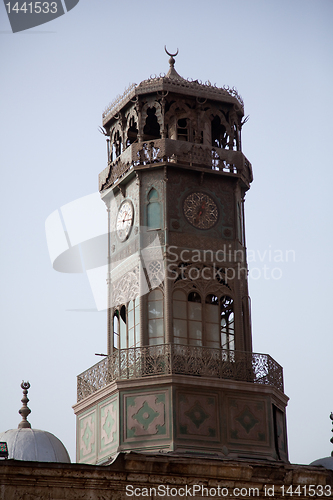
(197,416)
(87,437)
(146,416)
(108,426)
(247,421)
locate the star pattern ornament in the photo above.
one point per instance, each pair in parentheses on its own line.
(200,210)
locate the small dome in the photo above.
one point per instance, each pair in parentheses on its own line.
(326,462)
(34,445)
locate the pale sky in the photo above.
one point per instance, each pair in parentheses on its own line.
(56,81)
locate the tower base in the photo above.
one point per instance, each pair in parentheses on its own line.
(182,414)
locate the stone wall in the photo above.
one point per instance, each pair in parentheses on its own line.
(135,475)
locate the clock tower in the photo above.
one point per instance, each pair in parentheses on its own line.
(180,376)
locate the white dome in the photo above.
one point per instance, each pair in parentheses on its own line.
(34,445)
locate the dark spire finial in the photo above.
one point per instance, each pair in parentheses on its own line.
(24,411)
(171,60)
(331,417)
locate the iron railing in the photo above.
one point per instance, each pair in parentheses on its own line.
(226,161)
(167,359)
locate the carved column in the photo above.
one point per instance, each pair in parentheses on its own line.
(163,128)
(138,107)
(239,334)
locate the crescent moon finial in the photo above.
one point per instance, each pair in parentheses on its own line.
(169,54)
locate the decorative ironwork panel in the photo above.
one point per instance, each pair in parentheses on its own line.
(93,379)
(140,362)
(171,151)
(163,83)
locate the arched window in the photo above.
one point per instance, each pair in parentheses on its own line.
(116,342)
(123,329)
(131,330)
(137,321)
(236,138)
(194,319)
(187,318)
(227,323)
(132,132)
(220,136)
(133,327)
(186,131)
(155,318)
(151,129)
(117,146)
(126,325)
(219,329)
(183,129)
(153,210)
(179,317)
(212,322)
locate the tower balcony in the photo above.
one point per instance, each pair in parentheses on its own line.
(182,399)
(175,359)
(185,154)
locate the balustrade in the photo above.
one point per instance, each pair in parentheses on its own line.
(180,152)
(167,359)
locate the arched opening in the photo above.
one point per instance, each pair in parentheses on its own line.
(116,342)
(151,129)
(212,321)
(179,317)
(220,136)
(227,323)
(133,323)
(153,210)
(187,318)
(131,330)
(155,318)
(194,319)
(126,325)
(117,146)
(132,132)
(122,328)
(236,138)
(183,129)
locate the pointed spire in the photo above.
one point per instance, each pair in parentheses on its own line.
(172,73)
(24,411)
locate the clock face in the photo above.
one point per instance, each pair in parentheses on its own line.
(200,210)
(125,220)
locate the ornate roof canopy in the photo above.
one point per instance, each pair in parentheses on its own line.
(173,82)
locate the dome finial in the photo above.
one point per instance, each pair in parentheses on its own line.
(171,60)
(24,411)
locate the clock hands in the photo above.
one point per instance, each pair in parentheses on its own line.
(126,215)
(124,220)
(200,212)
